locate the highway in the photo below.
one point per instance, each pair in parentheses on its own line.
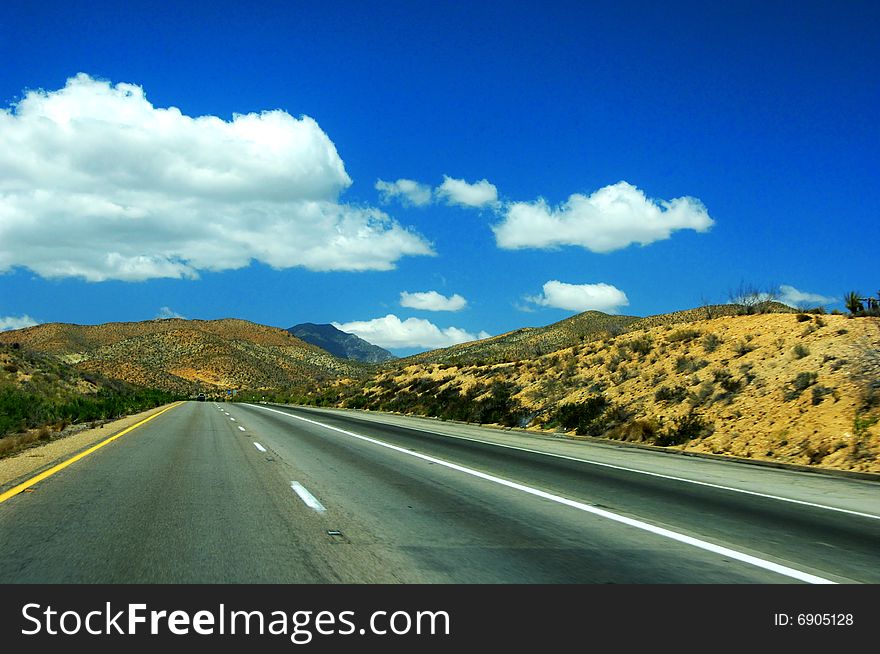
(234,493)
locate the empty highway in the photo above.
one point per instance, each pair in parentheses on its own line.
(234,493)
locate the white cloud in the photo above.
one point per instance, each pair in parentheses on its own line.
(392,332)
(610,219)
(8,323)
(458,191)
(432,301)
(409,191)
(793,297)
(168,312)
(97,183)
(581,297)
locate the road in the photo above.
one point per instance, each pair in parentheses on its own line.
(233,493)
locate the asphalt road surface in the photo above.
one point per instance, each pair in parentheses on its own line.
(232,493)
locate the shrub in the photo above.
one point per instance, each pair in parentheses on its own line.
(499,406)
(819,392)
(683,335)
(853,303)
(742,348)
(584,417)
(670,394)
(703,393)
(725,379)
(686,364)
(639,431)
(799,384)
(683,429)
(800,351)
(711,342)
(642,345)
(802,317)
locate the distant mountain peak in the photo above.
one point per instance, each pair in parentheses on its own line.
(340,343)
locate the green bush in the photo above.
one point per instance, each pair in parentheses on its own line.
(642,345)
(683,335)
(683,429)
(724,378)
(584,417)
(670,394)
(687,364)
(742,348)
(800,351)
(21,409)
(801,382)
(711,342)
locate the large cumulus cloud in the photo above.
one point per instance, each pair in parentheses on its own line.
(97,183)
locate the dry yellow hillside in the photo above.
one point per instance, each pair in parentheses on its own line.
(800,388)
(186,355)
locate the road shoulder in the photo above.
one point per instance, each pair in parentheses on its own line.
(18,467)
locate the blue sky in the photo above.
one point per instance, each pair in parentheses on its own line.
(632,157)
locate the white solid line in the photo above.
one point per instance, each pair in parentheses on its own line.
(310,500)
(259,447)
(638,524)
(657,474)
(241,428)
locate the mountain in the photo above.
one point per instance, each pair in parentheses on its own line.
(340,343)
(187,355)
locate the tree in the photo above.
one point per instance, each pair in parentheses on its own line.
(853,302)
(752,299)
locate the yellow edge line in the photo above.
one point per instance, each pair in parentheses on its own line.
(12,492)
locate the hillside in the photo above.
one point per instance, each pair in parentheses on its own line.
(531,342)
(187,355)
(789,387)
(340,344)
(41,396)
(528,342)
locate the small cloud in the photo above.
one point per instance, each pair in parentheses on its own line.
(9,323)
(794,298)
(581,297)
(410,192)
(432,301)
(167,312)
(477,195)
(612,218)
(392,332)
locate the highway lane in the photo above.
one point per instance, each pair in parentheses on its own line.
(182,499)
(834,543)
(239,493)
